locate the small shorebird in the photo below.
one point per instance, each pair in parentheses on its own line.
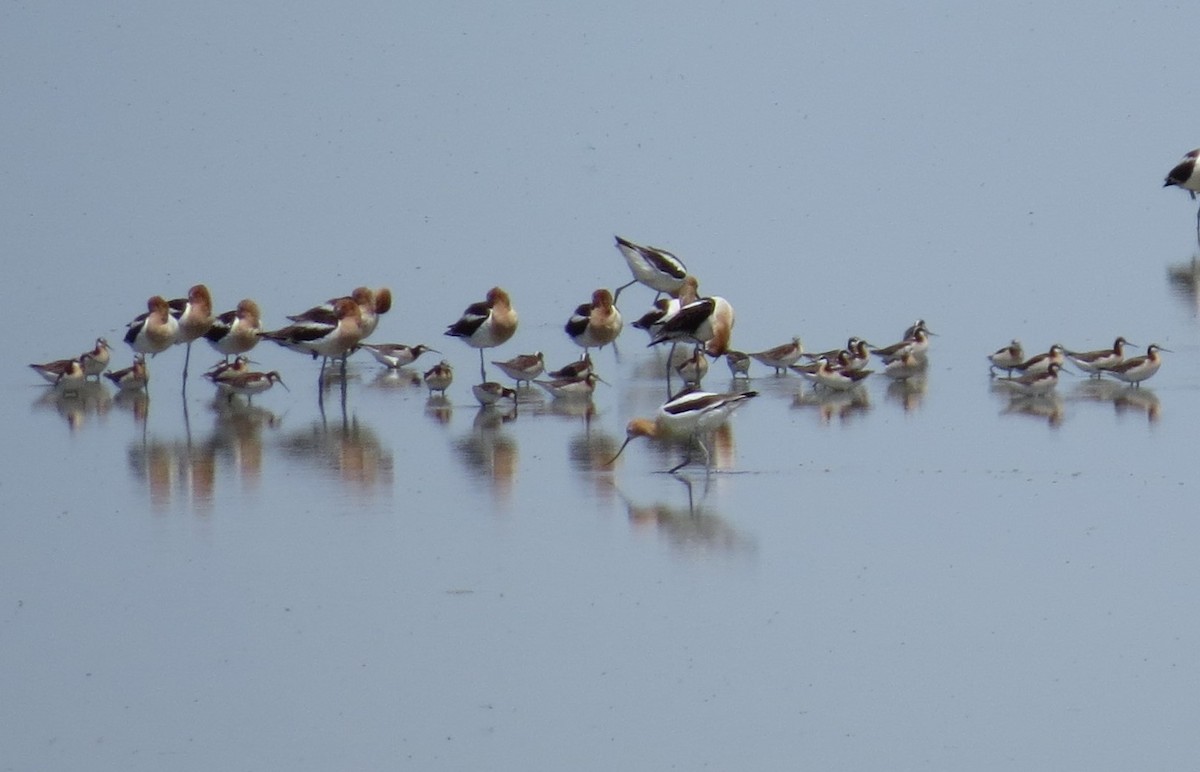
(439,377)
(571,388)
(236,332)
(690,416)
(693,369)
(905,366)
(1186,175)
(739,363)
(1138,369)
(1036,383)
(320,338)
(486,324)
(1006,357)
(492,393)
(780,357)
(839,378)
(917,343)
(195,317)
(575,370)
(1096,362)
(396,355)
(524,367)
(1039,363)
(250,383)
(96,360)
(58,370)
(657,268)
(132,378)
(154,331)
(222,370)
(595,324)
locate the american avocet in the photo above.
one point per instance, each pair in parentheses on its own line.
(524,367)
(657,268)
(1138,369)
(1006,357)
(154,331)
(96,360)
(486,324)
(132,378)
(250,383)
(707,321)
(739,363)
(439,377)
(324,340)
(396,355)
(195,316)
(1036,383)
(237,331)
(840,378)
(571,388)
(780,357)
(492,393)
(693,369)
(688,417)
(1186,175)
(371,303)
(574,370)
(1039,363)
(55,371)
(595,324)
(1096,362)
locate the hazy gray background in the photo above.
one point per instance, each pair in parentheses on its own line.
(949,587)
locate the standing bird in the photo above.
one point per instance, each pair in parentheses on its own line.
(1138,369)
(235,332)
(1186,175)
(248,384)
(154,331)
(690,417)
(372,304)
(1096,362)
(657,268)
(439,377)
(56,371)
(1035,383)
(780,357)
(96,360)
(595,324)
(524,367)
(321,339)
(396,355)
(133,378)
(486,324)
(195,317)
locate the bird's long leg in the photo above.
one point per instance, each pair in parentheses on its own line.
(617,294)
(187,357)
(1197,223)
(482,373)
(670,359)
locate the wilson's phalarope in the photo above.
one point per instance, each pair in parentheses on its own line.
(917,343)
(1096,362)
(1035,383)
(1006,357)
(236,332)
(739,363)
(154,331)
(396,355)
(657,268)
(689,417)
(524,367)
(492,393)
(250,383)
(595,324)
(439,377)
(840,378)
(96,360)
(1138,369)
(573,371)
(780,357)
(222,370)
(486,324)
(1039,363)
(54,372)
(571,388)
(133,378)
(904,366)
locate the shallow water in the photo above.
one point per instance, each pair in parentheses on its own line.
(934,577)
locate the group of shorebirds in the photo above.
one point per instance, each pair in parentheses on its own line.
(696,327)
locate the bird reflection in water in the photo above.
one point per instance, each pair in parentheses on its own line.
(439,408)
(137,403)
(395,379)
(347,450)
(1123,397)
(76,405)
(488,452)
(1184,279)
(909,393)
(1048,407)
(829,404)
(186,472)
(694,529)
